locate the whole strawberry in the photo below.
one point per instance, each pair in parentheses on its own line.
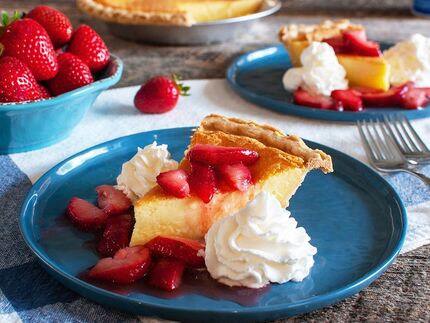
(56,24)
(89,47)
(159,94)
(44,92)
(28,41)
(73,73)
(17,84)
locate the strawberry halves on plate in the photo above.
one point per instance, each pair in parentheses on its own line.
(183,249)
(127,266)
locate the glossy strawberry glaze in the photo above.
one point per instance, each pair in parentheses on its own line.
(193,282)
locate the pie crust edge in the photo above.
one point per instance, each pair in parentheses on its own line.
(122,16)
(270,136)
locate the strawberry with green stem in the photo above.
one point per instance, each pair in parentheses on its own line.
(28,41)
(160,94)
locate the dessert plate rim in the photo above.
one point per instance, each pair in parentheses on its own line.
(264,55)
(127,304)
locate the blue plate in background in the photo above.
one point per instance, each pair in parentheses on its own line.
(354,217)
(257,77)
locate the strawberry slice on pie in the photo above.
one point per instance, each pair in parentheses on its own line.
(237,176)
(174,182)
(250,157)
(203,181)
(218,155)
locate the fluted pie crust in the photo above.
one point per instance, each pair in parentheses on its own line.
(281,168)
(155,12)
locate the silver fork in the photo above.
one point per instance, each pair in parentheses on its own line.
(382,151)
(407,139)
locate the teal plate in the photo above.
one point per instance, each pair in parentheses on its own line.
(257,77)
(354,217)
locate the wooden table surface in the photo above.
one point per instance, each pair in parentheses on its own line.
(402,293)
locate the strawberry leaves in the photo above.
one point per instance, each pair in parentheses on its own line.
(183,89)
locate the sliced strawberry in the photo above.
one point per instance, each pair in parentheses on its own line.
(337,44)
(359,34)
(126,266)
(85,215)
(355,44)
(166,274)
(183,249)
(116,235)
(307,99)
(238,176)
(391,98)
(217,155)
(174,182)
(426,90)
(350,99)
(111,200)
(415,98)
(203,181)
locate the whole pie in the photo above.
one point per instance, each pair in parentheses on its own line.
(362,71)
(284,160)
(167,12)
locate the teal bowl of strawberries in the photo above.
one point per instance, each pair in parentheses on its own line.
(50,75)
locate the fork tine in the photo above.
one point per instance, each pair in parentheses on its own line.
(372,142)
(396,134)
(367,148)
(414,134)
(385,151)
(407,135)
(392,134)
(391,146)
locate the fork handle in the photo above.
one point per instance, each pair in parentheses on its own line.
(420,175)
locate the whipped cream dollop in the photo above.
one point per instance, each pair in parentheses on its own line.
(259,244)
(139,174)
(410,61)
(321,72)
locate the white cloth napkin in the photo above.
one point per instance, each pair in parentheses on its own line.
(113,115)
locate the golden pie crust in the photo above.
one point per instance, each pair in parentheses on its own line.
(141,12)
(121,13)
(309,33)
(271,137)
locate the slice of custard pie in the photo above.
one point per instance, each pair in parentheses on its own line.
(228,162)
(361,59)
(167,12)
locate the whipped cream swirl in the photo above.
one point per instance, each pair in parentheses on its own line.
(321,72)
(259,244)
(139,174)
(410,61)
